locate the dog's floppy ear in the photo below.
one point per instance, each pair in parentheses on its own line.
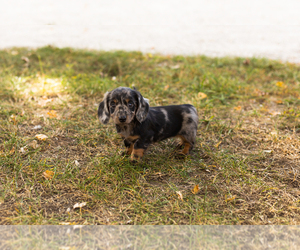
(143,108)
(103,110)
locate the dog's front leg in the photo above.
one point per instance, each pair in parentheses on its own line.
(139,148)
(129,147)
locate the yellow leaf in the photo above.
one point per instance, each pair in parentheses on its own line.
(64,223)
(201,95)
(195,190)
(292,207)
(12,150)
(238,108)
(215,178)
(13,118)
(150,55)
(217,145)
(41,137)
(280,84)
(166,87)
(229,199)
(48,174)
(279,102)
(52,114)
(179,195)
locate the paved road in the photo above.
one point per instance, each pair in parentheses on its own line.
(262,28)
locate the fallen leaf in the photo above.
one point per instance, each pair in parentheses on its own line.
(195,190)
(52,114)
(267,151)
(22,150)
(166,87)
(37,127)
(280,84)
(218,144)
(229,199)
(201,95)
(177,66)
(43,101)
(215,178)
(41,137)
(274,133)
(79,205)
(12,151)
(238,108)
(76,163)
(292,207)
(13,118)
(279,101)
(25,59)
(275,113)
(246,62)
(64,224)
(33,144)
(179,195)
(48,174)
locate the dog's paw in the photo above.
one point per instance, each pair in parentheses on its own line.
(135,159)
(124,153)
(180,155)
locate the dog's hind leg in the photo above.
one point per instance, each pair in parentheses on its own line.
(188,145)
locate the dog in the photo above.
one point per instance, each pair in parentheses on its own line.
(140,125)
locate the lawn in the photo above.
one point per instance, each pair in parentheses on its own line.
(244,168)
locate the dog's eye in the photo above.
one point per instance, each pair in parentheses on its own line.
(130,105)
(112,104)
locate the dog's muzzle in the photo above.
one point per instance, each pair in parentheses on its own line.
(122,118)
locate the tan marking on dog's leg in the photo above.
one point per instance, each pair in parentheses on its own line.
(186,148)
(181,138)
(137,153)
(133,137)
(129,149)
(186,144)
(182,141)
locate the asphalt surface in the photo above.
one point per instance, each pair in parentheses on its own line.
(260,28)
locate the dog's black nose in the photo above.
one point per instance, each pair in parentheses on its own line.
(122,118)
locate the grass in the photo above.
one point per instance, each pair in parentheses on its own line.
(245,163)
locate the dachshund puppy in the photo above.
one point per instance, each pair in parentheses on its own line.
(140,125)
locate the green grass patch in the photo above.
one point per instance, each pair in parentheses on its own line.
(245,161)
